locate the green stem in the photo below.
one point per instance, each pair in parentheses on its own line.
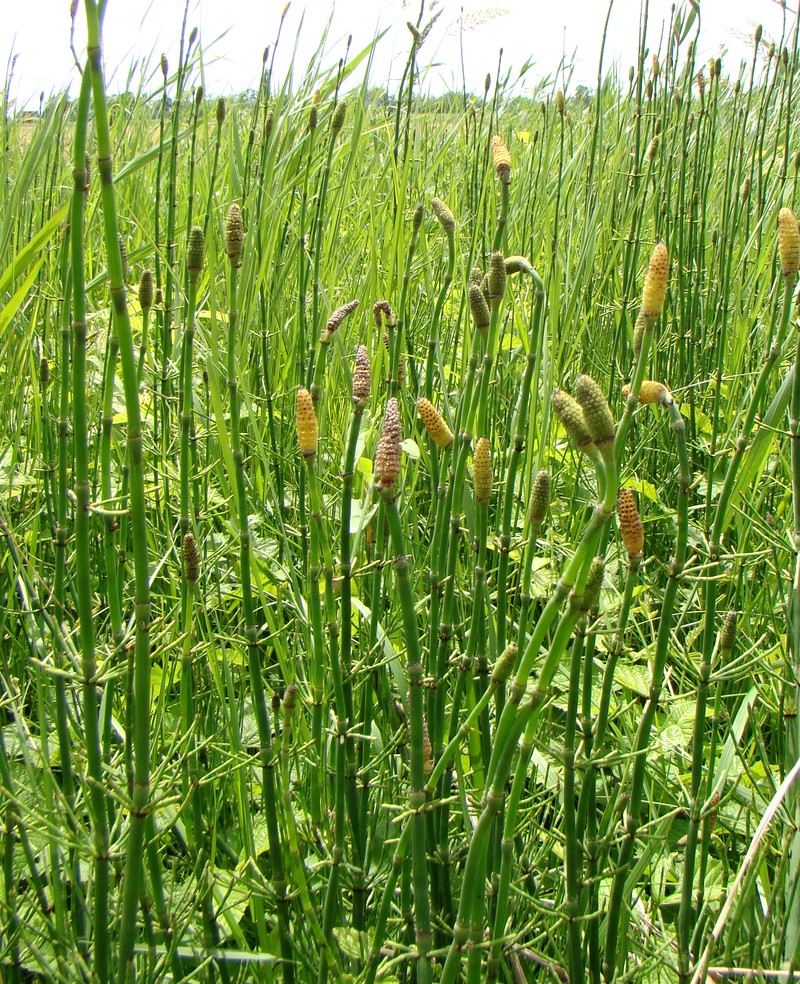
(518,429)
(140,803)
(416,794)
(254,656)
(83,535)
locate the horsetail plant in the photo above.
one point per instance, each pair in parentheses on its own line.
(312,769)
(146,305)
(789,252)
(195,256)
(362,384)
(614,957)
(140,800)
(234,248)
(99,818)
(516,715)
(447,221)
(387,472)
(519,425)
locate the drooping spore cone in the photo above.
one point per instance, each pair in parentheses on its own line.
(334,323)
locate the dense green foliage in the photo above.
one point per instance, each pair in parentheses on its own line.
(301,753)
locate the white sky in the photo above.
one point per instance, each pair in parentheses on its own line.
(234,34)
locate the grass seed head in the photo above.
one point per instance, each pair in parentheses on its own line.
(596,412)
(362,377)
(655,282)
(434,423)
(444,215)
(196,253)
(191,558)
(416,218)
(788,242)
(146,290)
(220,111)
(630,524)
(234,235)
(569,412)
(501,158)
(269,123)
(478,308)
(497,279)
(307,429)
(389,453)
(560,102)
(44,372)
(540,497)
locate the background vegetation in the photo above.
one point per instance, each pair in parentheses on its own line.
(258,712)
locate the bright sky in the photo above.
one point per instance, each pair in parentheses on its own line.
(234,34)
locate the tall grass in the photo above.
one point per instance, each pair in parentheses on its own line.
(454,449)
